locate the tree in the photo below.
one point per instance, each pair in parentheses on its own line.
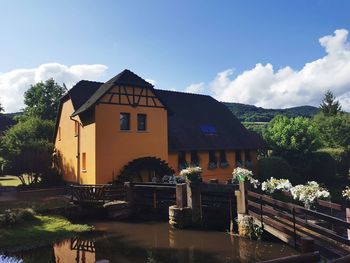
(27,148)
(42,99)
(334,131)
(329,105)
(292,135)
(1,108)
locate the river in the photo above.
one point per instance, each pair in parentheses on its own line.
(152,242)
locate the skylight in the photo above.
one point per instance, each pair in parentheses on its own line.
(207,129)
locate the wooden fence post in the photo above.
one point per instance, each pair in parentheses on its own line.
(348,219)
(181,195)
(193,200)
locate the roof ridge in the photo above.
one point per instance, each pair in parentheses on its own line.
(184,92)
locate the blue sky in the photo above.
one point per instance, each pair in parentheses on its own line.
(175,43)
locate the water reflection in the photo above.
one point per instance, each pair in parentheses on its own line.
(155,243)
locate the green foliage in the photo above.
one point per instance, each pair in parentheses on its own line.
(321,167)
(333,131)
(42,100)
(13,217)
(341,158)
(258,127)
(330,106)
(276,167)
(26,147)
(250,113)
(295,135)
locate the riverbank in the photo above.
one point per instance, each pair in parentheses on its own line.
(38,231)
(26,224)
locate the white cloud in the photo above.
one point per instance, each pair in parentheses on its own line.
(286,87)
(195,88)
(14,83)
(152,81)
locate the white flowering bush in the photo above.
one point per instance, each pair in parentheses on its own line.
(346,193)
(192,173)
(242,174)
(271,185)
(309,193)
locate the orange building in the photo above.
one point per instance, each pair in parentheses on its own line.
(125,129)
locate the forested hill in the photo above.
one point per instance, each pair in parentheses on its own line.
(250,113)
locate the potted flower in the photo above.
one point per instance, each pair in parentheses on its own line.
(346,193)
(192,173)
(309,193)
(242,175)
(276,187)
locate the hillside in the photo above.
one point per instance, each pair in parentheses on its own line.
(250,113)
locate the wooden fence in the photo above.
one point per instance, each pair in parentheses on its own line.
(290,222)
(96,195)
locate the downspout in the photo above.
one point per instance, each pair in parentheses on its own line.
(78,150)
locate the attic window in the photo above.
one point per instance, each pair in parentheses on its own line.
(207,129)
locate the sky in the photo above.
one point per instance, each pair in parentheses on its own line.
(273,54)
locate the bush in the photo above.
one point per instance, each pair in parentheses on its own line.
(321,167)
(276,167)
(51,177)
(13,217)
(341,158)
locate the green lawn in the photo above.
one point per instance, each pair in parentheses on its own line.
(9,180)
(37,205)
(41,230)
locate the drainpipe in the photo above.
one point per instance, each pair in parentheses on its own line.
(78,150)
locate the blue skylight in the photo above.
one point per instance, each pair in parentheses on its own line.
(207,129)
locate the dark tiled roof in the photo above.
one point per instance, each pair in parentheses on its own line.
(195,122)
(82,91)
(199,122)
(126,77)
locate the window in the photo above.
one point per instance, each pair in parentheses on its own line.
(59,133)
(83,161)
(141,122)
(194,158)
(124,121)
(182,160)
(76,128)
(212,160)
(223,160)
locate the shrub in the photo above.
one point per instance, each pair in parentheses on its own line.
(341,158)
(12,217)
(321,167)
(276,167)
(51,177)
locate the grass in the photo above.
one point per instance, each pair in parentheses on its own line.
(38,205)
(10,180)
(42,230)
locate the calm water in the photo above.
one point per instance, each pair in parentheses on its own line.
(153,243)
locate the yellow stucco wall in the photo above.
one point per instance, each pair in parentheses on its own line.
(222,174)
(88,146)
(67,147)
(115,148)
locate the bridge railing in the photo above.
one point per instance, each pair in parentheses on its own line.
(96,194)
(294,221)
